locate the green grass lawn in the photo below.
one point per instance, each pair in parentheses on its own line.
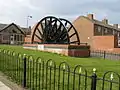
(89,63)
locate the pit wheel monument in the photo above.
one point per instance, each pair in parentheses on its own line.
(56,35)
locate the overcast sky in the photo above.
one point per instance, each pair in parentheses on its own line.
(17,10)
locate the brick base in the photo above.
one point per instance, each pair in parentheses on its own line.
(68,50)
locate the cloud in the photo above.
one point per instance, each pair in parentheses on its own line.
(18,10)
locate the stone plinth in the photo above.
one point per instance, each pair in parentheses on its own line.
(68,50)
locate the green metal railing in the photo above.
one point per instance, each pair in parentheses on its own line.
(35,74)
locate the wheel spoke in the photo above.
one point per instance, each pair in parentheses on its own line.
(72,35)
(46,23)
(50,20)
(40,32)
(59,36)
(42,26)
(66,23)
(58,31)
(38,37)
(54,26)
(63,36)
(69,28)
(64,39)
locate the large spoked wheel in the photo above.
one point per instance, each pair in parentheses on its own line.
(72,32)
(51,30)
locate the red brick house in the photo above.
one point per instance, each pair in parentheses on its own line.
(100,35)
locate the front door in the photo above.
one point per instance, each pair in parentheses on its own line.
(12,39)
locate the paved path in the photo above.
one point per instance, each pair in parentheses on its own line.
(3,86)
(6,84)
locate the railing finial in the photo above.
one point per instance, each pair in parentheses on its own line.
(94,70)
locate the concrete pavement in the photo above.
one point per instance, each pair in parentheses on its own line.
(3,86)
(6,84)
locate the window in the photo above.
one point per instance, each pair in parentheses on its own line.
(113,32)
(21,37)
(11,37)
(118,34)
(14,31)
(99,29)
(106,30)
(15,37)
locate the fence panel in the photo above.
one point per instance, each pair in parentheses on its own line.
(80,78)
(105,55)
(35,74)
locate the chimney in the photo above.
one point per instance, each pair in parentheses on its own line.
(29,28)
(90,16)
(115,25)
(105,21)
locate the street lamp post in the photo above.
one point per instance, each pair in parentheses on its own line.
(28,17)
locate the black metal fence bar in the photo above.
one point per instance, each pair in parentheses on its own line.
(25,70)
(36,74)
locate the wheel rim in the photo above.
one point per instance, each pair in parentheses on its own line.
(51,30)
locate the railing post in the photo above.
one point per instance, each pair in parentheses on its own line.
(104,54)
(90,53)
(24,71)
(94,80)
(0,59)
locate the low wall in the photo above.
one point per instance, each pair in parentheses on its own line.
(104,42)
(68,50)
(30,46)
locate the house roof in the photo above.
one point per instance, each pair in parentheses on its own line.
(100,23)
(2,26)
(18,27)
(22,29)
(26,30)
